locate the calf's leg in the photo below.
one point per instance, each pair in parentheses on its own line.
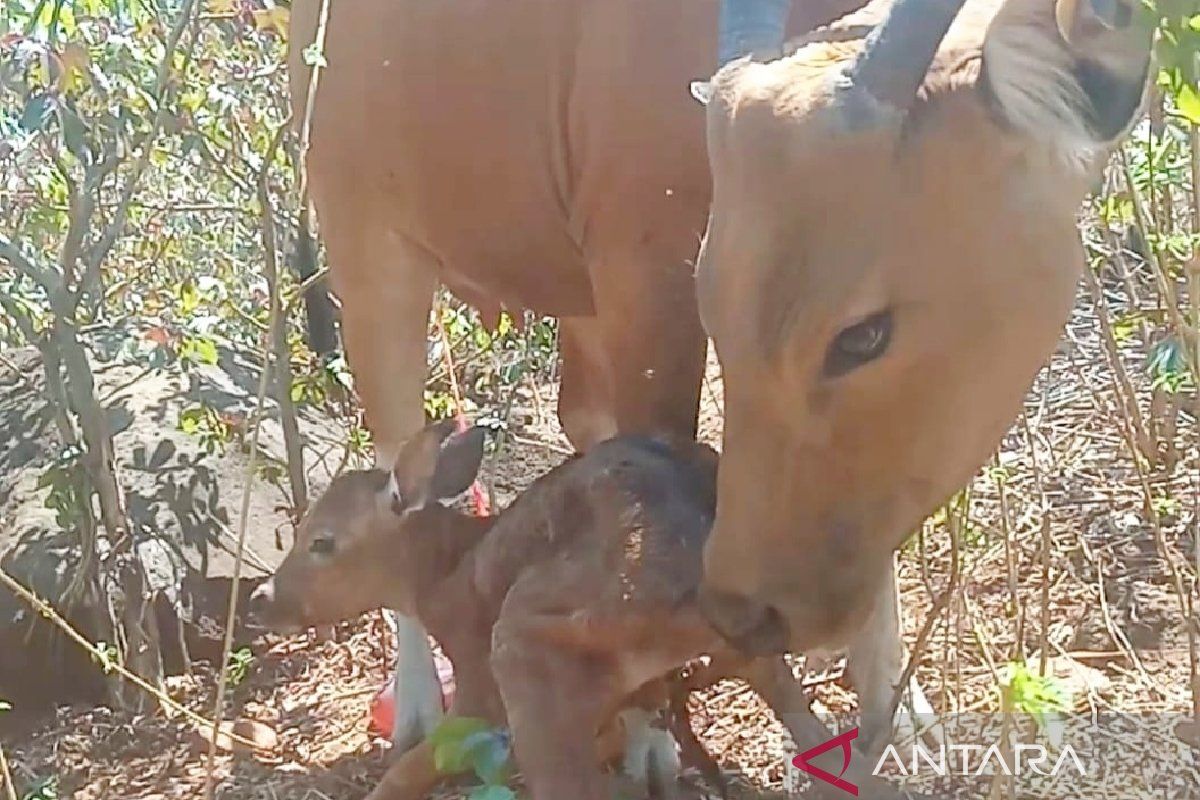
(410,777)
(556,701)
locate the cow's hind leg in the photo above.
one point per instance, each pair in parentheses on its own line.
(386,287)
(646,312)
(647,323)
(585,394)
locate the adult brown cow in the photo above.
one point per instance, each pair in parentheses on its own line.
(541,154)
(891,255)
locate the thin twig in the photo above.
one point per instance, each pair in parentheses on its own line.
(1193,273)
(1124,387)
(273,321)
(277,334)
(10,788)
(48,611)
(1161,271)
(935,614)
(314,82)
(1010,559)
(1114,631)
(1047,547)
(306,284)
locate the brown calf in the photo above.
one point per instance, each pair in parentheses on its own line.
(540,154)
(555,613)
(891,255)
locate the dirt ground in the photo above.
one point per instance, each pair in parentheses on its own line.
(1064,528)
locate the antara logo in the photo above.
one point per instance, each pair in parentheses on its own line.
(842,740)
(954,759)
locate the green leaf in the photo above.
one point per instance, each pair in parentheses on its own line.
(448,738)
(1188,103)
(1126,325)
(1036,695)
(207,350)
(200,349)
(107,654)
(190,420)
(189,298)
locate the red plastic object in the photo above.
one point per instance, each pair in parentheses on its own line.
(383,707)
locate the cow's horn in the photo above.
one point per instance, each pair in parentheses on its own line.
(748,26)
(898,52)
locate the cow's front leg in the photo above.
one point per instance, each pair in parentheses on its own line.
(875,662)
(773,680)
(386,288)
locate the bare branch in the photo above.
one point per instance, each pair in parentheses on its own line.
(278,332)
(44,276)
(243,518)
(100,250)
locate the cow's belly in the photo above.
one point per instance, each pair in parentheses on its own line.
(519,141)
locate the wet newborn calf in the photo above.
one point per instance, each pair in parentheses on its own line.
(554,613)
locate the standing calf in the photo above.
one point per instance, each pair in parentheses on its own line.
(555,613)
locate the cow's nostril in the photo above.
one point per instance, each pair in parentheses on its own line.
(750,626)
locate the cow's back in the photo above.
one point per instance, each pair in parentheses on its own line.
(514,139)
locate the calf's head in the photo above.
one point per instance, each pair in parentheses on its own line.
(366,542)
(890,257)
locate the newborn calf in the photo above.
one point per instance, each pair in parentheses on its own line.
(556,613)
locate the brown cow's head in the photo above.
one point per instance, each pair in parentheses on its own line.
(890,258)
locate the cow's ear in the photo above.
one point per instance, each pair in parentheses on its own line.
(702,92)
(1073,72)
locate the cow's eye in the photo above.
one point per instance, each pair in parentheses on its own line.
(854,346)
(322,546)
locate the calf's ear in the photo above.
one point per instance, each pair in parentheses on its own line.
(416,479)
(458,463)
